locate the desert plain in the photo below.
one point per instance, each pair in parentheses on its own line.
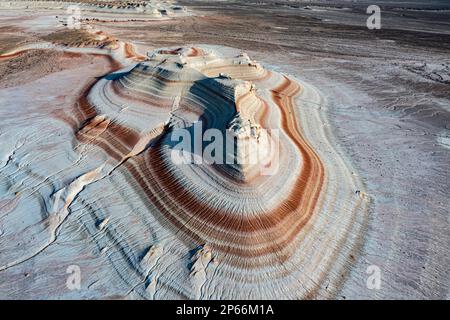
(348,200)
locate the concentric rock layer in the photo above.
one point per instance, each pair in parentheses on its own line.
(287,232)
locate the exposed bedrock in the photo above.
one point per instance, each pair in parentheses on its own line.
(287,232)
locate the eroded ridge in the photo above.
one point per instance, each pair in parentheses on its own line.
(287,234)
(139,9)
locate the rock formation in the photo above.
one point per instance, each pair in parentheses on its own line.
(275,234)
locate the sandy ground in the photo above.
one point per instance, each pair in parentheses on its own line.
(387,99)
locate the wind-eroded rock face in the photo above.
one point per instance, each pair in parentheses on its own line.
(287,232)
(279,214)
